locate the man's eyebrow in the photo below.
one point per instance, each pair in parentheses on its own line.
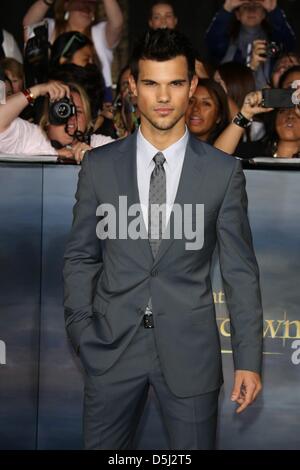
(179,80)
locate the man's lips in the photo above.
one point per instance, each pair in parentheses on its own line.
(163,111)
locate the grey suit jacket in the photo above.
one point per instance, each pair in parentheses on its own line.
(108,283)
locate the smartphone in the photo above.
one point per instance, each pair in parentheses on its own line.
(277,98)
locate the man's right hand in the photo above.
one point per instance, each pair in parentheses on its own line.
(54,89)
(230,5)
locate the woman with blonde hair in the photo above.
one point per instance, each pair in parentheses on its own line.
(81,16)
(69,137)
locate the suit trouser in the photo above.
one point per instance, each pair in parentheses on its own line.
(114,402)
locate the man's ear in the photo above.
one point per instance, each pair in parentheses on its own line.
(193,85)
(132,85)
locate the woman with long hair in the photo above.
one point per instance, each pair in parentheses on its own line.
(69,138)
(207,114)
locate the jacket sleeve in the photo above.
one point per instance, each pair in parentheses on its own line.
(218,34)
(82,258)
(282,32)
(240,275)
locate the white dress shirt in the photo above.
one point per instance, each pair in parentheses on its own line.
(174,156)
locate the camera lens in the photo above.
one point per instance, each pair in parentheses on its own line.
(63,110)
(60,111)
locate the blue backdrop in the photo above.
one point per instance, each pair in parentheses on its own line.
(41,386)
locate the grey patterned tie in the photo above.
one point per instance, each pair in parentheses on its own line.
(157,195)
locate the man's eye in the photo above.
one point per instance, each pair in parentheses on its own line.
(177,83)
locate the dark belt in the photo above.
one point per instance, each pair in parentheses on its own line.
(148,318)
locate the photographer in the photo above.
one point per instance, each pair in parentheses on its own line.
(67,137)
(241,31)
(81,16)
(283,136)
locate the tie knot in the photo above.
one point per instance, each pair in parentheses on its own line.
(159,159)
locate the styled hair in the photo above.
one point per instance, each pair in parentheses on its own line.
(216,91)
(66,44)
(75,88)
(239,81)
(284,76)
(15,67)
(162,45)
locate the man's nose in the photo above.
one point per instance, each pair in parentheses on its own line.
(163,95)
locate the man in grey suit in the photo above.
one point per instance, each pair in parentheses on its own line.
(139,307)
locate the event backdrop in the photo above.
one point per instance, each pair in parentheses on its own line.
(40,378)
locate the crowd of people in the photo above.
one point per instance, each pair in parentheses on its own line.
(63,101)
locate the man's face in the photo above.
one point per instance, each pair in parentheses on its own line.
(162,17)
(250,14)
(163,91)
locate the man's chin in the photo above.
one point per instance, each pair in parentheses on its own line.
(164,124)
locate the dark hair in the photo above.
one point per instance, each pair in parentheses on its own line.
(162,45)
(66,45)
(217,92)
(294,68)
(239,81)
(161,2)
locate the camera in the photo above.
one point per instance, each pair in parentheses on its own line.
(277,98)
(60,111)
(36,55)
(272,50)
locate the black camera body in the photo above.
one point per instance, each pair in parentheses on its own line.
(60,111)
(36,61)
(277,98)
(273,50)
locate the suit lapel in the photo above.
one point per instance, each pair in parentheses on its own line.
(189,185)
(126,170)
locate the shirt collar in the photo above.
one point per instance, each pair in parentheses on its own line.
(173,154)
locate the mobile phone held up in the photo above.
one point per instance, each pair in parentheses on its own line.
(277,98)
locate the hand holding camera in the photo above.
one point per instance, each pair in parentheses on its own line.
(253,104)
(261,51)
(268,5)
(230,5)
(54,89)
